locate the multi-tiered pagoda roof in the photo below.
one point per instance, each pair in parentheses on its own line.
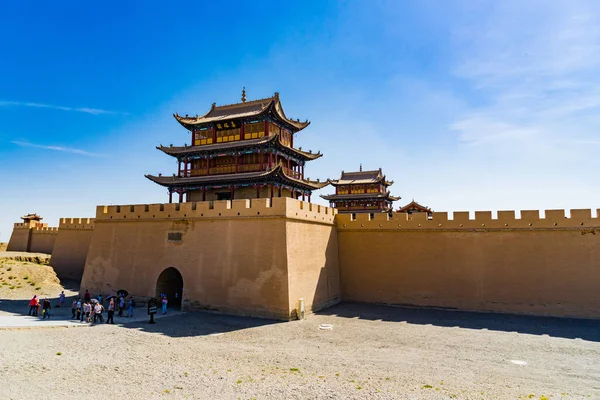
(362,191)
(236,146)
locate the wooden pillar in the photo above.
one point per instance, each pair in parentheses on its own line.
(178,167)
(232,192)
(242,133)
(262,161)
(207,166)
(303,194)
(258,191)
(302,171)
(279,194)
(203,194)
(309,197)
(181,196)
(236,163)
(170,196)
(214,134)
(266,127)
(271,190)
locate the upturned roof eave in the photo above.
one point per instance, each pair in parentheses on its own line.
(180,151)
(175,181)
(274,105)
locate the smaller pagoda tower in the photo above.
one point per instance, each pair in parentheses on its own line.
(413,208)
(361,192)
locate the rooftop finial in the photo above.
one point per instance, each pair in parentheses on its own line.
(244,94)
(360,167)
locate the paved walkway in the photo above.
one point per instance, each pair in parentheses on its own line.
(59,319)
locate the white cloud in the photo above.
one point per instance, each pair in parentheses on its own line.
(93,111)
(56,148)
(536,70)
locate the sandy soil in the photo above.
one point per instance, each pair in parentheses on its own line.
(370,352)
(3,246)
(21,279)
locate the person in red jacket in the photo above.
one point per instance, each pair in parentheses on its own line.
(33,306)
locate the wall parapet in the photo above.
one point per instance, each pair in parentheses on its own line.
(76,223)
(45,229)
(530,219)
(243,208)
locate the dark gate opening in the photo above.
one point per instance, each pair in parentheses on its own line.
(170,283)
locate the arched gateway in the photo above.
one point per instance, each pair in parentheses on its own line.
(170,282)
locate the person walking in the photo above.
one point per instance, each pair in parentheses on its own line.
(111,312)
(164,305)
(33,306)
(79,310)
(121,305)
(87,297)
(46,309)
(73,308)
(131,306)
(62,299)
(87,310)
(98,308)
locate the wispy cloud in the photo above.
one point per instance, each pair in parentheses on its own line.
(93,111)
(63,149)
(535,69)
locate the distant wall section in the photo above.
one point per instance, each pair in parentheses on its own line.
(548,266)
(20,238)
(71,247)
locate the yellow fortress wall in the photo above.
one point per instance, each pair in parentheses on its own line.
(20,237)
(548,266)
(71,247)
(232,255)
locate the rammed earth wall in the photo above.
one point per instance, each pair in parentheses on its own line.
(256,258)
(71,247)
(547,266)
(241,257)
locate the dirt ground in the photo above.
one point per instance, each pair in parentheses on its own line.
(370,352)
(3,246)
(22,279)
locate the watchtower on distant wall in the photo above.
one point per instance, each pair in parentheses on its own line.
(32,220)
(361,192)
(413,208)
(240,151)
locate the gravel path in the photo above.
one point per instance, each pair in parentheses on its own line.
(371,352)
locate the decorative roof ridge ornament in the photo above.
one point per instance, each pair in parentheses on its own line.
(360,168)
(244,94)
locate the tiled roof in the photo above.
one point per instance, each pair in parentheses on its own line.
(175,181)
(241,110)
(360,196)
(239,144)
(361,177)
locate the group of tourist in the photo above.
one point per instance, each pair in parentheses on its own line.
(88,309)
(91,310)
(34,307)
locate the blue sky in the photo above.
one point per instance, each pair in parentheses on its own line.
(466,105)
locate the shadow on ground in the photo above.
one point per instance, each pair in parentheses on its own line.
(199,324)
(569,328)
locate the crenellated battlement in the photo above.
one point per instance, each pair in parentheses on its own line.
(529,219)
(45,229)
(76,223)
(243,208)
